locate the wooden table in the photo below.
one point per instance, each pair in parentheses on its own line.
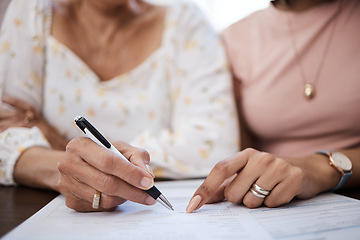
(20,203)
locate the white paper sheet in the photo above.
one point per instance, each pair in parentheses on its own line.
(328,216)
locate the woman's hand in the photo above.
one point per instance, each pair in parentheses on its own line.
(255,178)
(23,114)
(88,168)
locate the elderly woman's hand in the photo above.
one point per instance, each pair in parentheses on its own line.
(23,114)
(255,178)
(90,169)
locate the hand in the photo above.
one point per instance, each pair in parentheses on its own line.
(25,115)
(283,179)
(89,167)
(21,115)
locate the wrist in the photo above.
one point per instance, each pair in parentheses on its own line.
(319,175)
(37,167)
(56,141)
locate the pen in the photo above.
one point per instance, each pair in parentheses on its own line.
(97,137)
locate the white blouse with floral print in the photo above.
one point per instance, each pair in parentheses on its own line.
(177,104)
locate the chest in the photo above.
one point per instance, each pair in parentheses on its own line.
(110,52)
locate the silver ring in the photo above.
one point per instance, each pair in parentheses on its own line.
(260,190)
(96,199)
(253,191)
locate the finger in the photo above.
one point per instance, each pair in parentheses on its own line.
(80,205)
(286,190)
(5,124)
(278,172)
(258,164)
(110,163)
(137,156)
(81,195)
(17,103)
(219,195)
(82,172)
(4,114)
(222,170)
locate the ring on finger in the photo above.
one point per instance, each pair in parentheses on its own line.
(29,116)
(96,199)
(259,191)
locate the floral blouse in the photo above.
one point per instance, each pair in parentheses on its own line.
(177,104)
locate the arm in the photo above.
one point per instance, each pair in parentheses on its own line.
(26,157)
(203,126)
(285,178)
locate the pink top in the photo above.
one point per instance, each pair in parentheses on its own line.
(263,59)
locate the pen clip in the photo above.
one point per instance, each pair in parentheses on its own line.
(84,124)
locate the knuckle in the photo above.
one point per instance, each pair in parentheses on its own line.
(142,154)
(63,165)
(280,165)
(249,151)
(73,145)
(298,174)
(206,191)
(108,184)
(222,167)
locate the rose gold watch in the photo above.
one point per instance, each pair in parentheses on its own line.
(341,163)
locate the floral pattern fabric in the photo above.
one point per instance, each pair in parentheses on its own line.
(177,104)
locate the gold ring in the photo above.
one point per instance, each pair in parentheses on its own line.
(29,116)
(96,199)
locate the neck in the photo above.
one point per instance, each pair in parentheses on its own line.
(298,5)
(101,15)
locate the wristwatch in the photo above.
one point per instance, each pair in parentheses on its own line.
(341,163)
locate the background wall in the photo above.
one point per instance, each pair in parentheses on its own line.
(224,12)
(3,5)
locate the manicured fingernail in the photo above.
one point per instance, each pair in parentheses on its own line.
(194,202)
(147,182)
(150,201)
(150,170)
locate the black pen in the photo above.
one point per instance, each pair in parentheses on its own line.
(97,137)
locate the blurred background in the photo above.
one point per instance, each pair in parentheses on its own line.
(221,13)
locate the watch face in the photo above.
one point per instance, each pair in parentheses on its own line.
(341,161)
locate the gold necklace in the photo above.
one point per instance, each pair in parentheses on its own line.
(309,88)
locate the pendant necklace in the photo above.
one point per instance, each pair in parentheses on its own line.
(309,88)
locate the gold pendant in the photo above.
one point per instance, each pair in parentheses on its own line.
(309,91)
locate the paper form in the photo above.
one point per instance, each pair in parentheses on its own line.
(326,216)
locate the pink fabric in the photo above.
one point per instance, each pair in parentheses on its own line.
(264,61)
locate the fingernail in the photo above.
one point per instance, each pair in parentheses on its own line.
(194,202)
(147,182)
(150,201)
(150,170)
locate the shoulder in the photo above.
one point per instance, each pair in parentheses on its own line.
(27,15)
(242,27)
(186,14)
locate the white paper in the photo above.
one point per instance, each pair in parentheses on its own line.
(328,216)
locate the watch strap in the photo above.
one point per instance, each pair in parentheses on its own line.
(344,178)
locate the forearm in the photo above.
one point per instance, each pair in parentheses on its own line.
(37,167)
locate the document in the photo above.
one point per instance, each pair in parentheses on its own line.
(327,216)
